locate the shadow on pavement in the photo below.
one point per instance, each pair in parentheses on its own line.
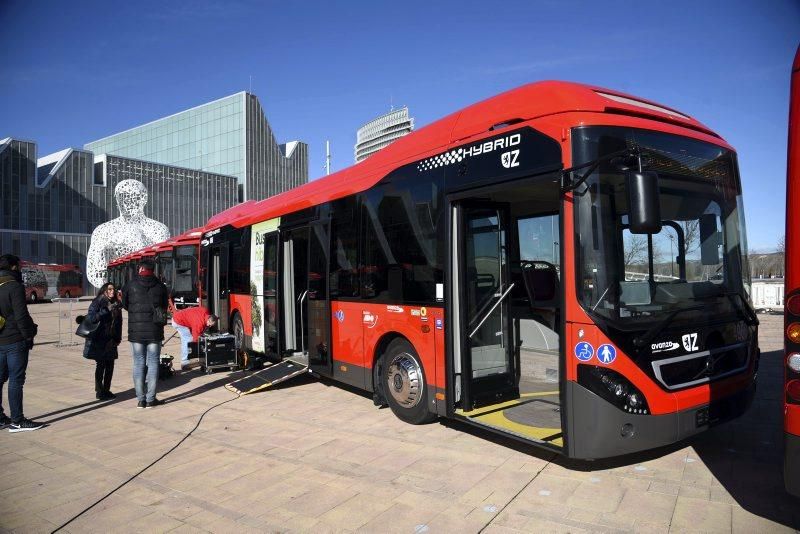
(746,454)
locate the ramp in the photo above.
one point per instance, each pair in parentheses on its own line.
(274,374)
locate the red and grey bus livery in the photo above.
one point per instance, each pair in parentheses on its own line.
(561,263)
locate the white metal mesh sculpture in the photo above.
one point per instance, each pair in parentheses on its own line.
(127,233)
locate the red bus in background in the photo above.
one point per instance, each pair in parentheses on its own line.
(791,421)
(176,265)
(50,280)
(562,264)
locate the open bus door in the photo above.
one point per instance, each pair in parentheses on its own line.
(217,283)
(306,305)
(488,373)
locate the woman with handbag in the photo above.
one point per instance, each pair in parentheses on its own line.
(101,345)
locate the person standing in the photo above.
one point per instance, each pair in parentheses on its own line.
(145,298)
(102,345)
(190,323)
(16,341)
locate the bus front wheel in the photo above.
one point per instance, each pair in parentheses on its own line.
(403,383)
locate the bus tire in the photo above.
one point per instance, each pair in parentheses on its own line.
(403,383)
(237,329)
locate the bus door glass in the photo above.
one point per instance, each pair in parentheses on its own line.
(218,285)
(306,305)
(487,348)
(295,293)
(270,292)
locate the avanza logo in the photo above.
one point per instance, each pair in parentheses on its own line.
(663,346)
(485,147)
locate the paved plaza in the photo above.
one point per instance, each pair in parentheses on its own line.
(314,456)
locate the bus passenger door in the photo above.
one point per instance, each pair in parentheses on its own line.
(487,348)
(218,289)
(306,304)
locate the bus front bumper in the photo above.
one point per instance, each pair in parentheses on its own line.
(598,429)
(791,464)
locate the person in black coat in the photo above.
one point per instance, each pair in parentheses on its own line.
(101,346)
(145,298)
(16,341)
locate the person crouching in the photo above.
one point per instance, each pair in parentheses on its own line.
(190,323)
(102,345)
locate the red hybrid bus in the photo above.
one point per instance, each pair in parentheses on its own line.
(562,264)
(791,407)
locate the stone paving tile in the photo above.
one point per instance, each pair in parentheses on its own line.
(695,515)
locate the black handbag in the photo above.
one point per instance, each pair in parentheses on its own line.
(86,328)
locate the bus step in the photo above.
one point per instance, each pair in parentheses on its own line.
(274,374)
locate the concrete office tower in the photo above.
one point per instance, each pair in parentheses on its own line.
(379,133)
(229,136)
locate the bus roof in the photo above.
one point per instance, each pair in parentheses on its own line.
(515,106)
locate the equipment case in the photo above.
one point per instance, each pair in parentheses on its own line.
(217,351)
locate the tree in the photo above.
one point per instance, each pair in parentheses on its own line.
(635,252)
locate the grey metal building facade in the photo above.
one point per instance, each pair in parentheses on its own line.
(229,136)
(178,197)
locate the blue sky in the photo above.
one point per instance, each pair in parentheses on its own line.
(73,72)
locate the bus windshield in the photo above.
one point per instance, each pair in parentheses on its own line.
(694,265)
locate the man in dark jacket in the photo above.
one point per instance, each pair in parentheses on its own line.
(16,340)
(145,298)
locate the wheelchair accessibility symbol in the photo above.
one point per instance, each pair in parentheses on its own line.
(584,351)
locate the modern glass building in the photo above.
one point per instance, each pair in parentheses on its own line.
(50,206)
(229,136)
(381,132)
(46,216)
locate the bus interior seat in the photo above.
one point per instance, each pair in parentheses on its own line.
(541,285)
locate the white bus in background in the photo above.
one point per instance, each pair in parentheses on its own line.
(767,294)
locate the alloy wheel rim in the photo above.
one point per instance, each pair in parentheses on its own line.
(404,380)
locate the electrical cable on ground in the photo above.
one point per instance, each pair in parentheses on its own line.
(154,462)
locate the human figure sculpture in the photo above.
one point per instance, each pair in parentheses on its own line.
(129,232)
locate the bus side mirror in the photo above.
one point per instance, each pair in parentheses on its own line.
(709,240)
(644,204)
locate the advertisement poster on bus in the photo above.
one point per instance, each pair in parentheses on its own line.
(258,314)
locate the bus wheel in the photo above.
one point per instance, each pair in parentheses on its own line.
(403,383)
(238,331)
(34,297)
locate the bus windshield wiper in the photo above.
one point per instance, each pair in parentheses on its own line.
(645,338)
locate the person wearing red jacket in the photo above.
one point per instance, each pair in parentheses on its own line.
(190,323)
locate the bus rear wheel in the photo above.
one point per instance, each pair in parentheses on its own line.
(403,383)
(238,331)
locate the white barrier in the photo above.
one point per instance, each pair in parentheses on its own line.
(66,323)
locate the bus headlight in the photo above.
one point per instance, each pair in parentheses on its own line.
(613,387)
(793,361)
